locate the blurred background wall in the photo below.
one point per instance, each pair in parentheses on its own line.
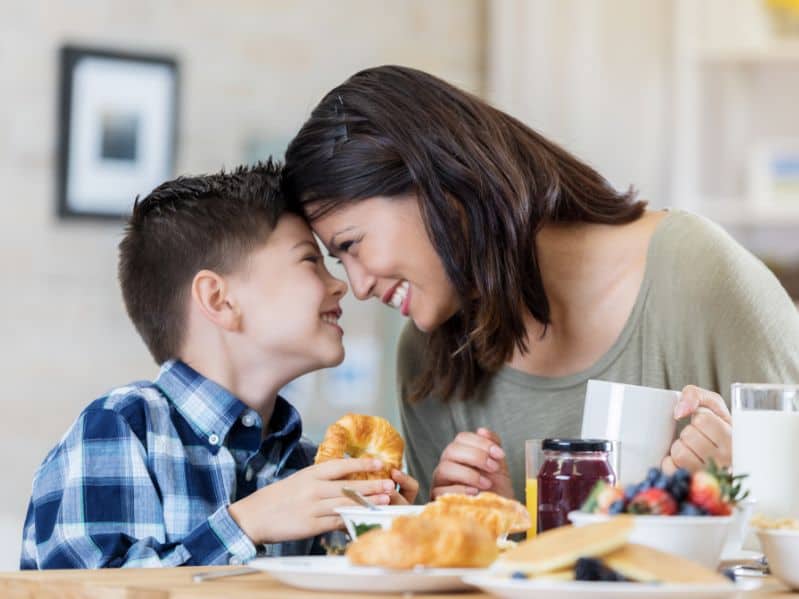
(692,101)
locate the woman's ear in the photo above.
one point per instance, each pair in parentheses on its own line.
(210,292)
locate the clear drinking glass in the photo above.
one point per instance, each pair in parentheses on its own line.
(765,445)
(533,458)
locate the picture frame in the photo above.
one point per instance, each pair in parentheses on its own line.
(773,178)
(117,131)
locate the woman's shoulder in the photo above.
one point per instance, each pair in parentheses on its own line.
(690,253)
(699,273)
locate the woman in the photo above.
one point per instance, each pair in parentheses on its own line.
(525,274)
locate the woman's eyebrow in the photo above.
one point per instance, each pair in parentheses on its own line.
(336,234)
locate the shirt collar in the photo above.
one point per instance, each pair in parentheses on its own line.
(210,409)
(285,424)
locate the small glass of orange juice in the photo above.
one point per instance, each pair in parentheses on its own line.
(532,464)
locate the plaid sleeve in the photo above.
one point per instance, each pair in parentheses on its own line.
(94,504)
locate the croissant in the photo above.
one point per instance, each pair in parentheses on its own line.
(498,514)
(442,542)
(360,436)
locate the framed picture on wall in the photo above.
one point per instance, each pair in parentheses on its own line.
(117,129)
(773,177)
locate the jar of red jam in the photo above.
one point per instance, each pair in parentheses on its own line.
(569,470)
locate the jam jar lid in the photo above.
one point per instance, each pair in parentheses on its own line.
(576,445)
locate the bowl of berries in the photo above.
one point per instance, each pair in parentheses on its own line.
(684,514)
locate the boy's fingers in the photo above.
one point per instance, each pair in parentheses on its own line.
(409,486)
(404,480)
(365,487)
(328,523)
(336,469)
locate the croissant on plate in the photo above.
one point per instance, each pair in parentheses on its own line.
(498,514)
(441,542)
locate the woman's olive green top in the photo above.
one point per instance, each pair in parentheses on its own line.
(708,313)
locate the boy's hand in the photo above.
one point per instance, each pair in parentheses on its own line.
(408,488)
(301,505)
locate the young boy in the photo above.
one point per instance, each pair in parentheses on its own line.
(231,296)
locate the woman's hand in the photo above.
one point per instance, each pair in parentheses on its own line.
(708,436)
(473,462)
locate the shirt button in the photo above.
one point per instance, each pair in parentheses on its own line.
(248,419)
(213,439)
(234,560)
(248,474)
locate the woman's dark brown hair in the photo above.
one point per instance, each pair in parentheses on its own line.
(486,184)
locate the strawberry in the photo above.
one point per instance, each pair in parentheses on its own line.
(602,497)
(715,490)
(706,493)
(655,502)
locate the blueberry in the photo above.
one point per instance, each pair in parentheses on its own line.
(690,509)
(652,475)
(591,569)
(617,507)
(661,482)
(682,475)
(519,576)
(630,491)
(678,489)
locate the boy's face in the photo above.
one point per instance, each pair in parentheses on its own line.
(289,302)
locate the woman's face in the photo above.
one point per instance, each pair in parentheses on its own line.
(384,247)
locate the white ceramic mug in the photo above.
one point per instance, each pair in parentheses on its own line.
(641,418)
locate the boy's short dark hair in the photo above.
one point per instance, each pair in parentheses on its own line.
(184,226)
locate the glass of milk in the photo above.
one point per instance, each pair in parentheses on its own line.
(765,445)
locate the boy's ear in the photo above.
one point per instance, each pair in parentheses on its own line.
(210,292)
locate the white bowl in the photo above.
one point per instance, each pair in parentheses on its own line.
(360,519)
(739,528)
(782,553)
(698,538)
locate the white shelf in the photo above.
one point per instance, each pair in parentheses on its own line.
(742,213)
(775,52)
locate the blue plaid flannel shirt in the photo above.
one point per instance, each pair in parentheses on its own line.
(145,475)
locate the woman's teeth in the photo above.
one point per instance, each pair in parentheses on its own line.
(330,318)
(399,294)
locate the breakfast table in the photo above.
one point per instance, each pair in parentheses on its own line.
(177,583)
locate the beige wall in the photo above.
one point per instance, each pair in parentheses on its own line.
(593,75)
(249,68)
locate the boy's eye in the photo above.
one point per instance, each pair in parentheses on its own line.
(345,246)
(315,258)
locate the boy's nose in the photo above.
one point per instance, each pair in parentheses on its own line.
(339,287)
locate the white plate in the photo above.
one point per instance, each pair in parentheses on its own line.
(555,589)
(740,555)
(322,573)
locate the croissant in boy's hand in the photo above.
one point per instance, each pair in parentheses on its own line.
(361,436)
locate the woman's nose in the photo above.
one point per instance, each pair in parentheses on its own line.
(361,281)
